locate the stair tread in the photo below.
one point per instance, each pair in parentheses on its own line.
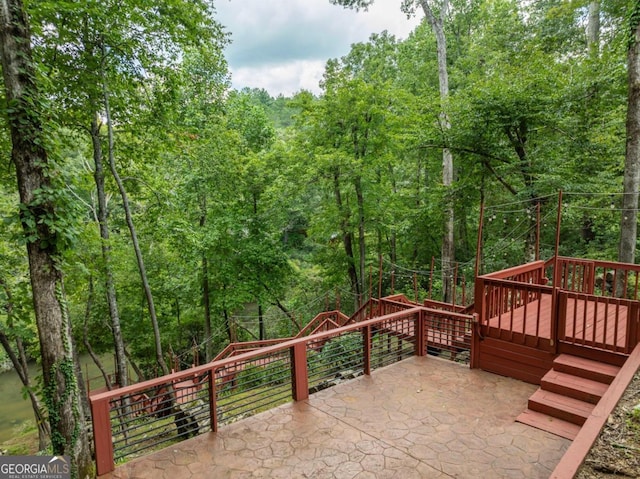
(586,364)
(562,402)
(561,382)
(542,421)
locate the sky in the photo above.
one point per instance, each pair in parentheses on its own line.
(283,45)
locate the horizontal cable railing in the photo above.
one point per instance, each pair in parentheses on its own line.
(333,360)
(135,419)
(252,385)
(392,341)
(448,335)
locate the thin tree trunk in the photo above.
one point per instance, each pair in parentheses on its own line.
(109,283)
(448,245)
(33,173)
(261,325)
(347,237)
(361,236)
(132,230)
(207,309)
(206,292)
(85,337)
(20,365)
(593,27)
(141,376)
(43,428)
(631,181)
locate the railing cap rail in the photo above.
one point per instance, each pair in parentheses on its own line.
(543,288)
(215,365)
(523,268)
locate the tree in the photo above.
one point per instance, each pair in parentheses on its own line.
(18,357)
(43,225)
(631,182)
(436,12)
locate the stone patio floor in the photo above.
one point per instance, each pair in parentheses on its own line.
(420,418)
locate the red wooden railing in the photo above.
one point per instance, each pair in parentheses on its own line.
(600,322)
(581,302)
(383,340)
(599,278)
(504,299)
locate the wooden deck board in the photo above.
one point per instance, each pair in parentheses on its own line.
(588,323)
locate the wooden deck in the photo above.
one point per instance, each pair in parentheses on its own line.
(588,322)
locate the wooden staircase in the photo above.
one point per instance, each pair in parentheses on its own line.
(567,395)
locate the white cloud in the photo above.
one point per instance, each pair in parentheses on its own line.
(286,78)
(278,44)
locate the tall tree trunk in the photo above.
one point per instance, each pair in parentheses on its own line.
(361,237)
(109,283)
(206,292)
(629,221)
(85,338)
(347,236)
(448,245)
(593,27)
(62,398)
(132,230)
(207,309)
(518,136)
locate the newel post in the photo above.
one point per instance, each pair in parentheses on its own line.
(102,440)
(213,406)
(299,372)
(474,362)
(366,350)
(420,328)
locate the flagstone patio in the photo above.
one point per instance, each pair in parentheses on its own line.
(420,418)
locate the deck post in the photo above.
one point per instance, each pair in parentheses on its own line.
(213,406)
(633,328)
(474,362)
(366,350)
(420,328)
(299,372)
(102,439)
(553,326)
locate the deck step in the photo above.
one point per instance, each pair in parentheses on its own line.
(576,387)
(559,406)
(586,368)
(556,426)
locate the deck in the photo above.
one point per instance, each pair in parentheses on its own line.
(530,314)
(587,321)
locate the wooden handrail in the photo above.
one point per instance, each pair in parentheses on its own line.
(516,270)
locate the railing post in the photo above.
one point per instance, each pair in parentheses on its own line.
(555,316)
(102,439)
(420,328)
(213,404)
(633,328)
(299,372)
(474,360)
(366,350)
(479,299)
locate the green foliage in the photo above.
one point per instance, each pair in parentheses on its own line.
(257,197)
